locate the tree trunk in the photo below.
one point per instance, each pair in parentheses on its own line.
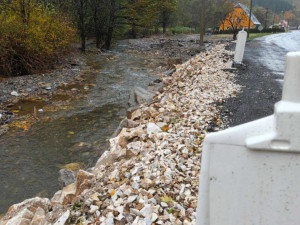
(164,22)
(98,40)
(235,34)
(133,31)
(83,37)
(81,23)
(111,24)
(156,29)
(109,38)
(96,26)
(202,26)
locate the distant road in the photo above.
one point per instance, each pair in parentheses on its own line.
(270,51)
(289,41)
(261,78)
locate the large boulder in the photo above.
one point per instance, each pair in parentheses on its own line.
(143,96)
(65,196)
(84,180)
(156,88)
(106,159)
(132,99)
(24,217)
(123,124)
(66,177)
(28,212)
(39,217)
(140,96)
(131,110)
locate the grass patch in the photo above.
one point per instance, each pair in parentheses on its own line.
(230,36)
(258,35)
(182,30)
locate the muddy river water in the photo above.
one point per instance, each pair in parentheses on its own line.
(30,160)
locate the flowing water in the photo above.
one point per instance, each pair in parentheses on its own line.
(30,160)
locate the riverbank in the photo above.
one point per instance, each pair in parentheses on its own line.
(23,97)
(177,48)
(150,173)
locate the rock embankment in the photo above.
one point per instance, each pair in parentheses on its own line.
(150,173)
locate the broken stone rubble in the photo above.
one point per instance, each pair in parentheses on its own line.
(150,174)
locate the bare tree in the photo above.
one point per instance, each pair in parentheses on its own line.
(202,24)
(111,23)
(81,8)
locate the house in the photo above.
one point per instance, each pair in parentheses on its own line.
(239,18)
(283,24)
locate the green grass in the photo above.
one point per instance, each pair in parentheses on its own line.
(182,30)
(257,35)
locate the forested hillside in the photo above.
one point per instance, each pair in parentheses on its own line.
(50,27)
(268,12)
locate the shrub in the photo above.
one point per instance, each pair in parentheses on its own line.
(31,37)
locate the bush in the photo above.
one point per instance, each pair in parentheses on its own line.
(31,37)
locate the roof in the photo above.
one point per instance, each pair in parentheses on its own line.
(247,11)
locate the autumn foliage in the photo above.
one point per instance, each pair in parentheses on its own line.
(31,37)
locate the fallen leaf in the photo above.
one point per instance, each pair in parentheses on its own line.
(165,128)
(167,199)
(112,193)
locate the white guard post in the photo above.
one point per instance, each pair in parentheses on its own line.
(240,47)
(251,173)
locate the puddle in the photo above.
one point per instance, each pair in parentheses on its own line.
(27,106)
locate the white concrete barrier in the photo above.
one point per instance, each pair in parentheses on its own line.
(251,173)
(240,47)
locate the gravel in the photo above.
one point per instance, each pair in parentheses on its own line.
(260,90)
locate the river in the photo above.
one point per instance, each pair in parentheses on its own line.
(30,161)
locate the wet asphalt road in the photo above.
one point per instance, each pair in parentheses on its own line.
(261,78)
(270,51)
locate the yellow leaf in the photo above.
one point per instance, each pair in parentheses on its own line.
(167,199)
(165,128)
(71,132)
(25,125)
(73,166)
(112,193)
